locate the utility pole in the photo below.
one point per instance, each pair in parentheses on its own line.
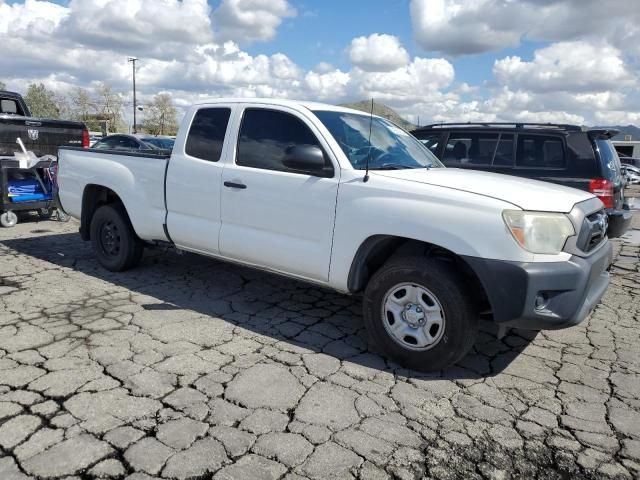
(133,60)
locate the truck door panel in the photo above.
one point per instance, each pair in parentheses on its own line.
(272,216)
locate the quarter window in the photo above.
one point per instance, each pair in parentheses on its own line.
(207,132)
(267,135)
(540,151)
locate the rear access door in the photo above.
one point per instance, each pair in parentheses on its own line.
(194,178)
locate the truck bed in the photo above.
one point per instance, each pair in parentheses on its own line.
(137,178)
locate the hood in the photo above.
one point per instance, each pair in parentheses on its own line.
(522,192)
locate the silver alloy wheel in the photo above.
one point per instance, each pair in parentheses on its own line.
(413,316)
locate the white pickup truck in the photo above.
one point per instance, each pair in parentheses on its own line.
(284,186)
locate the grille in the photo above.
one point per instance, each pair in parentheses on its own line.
(593,232)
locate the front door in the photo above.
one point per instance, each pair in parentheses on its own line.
(273,216)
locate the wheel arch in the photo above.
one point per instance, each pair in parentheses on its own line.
(93,197)
(377,249)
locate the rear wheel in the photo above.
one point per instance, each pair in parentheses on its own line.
(113,240)
(8,219)
(418,313)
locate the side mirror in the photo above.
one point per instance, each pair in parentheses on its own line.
(306,158)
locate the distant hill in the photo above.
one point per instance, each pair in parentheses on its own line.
(625,130)
(382,111)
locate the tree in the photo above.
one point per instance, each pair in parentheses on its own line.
(42,102)
(82,105)
(110,106)
(3,86)
(161,116)
(64,108)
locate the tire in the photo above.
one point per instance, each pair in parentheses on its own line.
(113,240)
(430,286)
(8,219)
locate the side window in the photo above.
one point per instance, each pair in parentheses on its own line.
(266,136)
(126,143)
(431,141)
(8,106)
(108,143)
(207,132)
(540,151)
(504,152)
(101,145)
(470,148)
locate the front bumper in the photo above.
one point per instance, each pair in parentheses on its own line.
(544,296)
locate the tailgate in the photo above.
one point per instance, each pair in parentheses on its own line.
(43,137)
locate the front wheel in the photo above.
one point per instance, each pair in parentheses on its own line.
(113,240)
(418,313)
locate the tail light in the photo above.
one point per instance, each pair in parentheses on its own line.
(85,138)
(603,189)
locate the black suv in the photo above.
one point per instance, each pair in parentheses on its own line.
(565,154)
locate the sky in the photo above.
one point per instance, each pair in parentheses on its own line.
(572,61)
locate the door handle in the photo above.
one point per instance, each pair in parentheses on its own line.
(235,185)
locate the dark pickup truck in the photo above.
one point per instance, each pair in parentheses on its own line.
(41,136)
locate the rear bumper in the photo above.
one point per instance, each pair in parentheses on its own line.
(619,222)
(544,296)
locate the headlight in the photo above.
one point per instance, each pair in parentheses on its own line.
(539,232)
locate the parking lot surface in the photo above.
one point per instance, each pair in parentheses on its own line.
(191,368)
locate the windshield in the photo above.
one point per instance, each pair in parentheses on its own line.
(391,147)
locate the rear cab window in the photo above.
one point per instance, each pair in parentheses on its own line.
(9,106)
(206,134)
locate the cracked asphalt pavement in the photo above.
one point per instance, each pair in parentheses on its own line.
(191,368)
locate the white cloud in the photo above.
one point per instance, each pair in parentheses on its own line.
(462,26)
(566,66)
(421,77)
(30,19)
(138,27)
(328,86)
(246,21)
(181,52)
(378,53)
(473,26)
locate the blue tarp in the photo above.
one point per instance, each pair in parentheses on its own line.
(36,197)
(27,190)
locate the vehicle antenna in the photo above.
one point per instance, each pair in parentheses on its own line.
(366,173)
